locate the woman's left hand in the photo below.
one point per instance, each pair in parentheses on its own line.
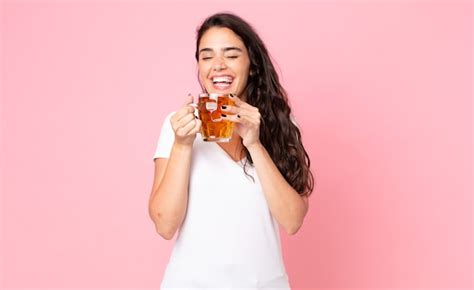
(247,121)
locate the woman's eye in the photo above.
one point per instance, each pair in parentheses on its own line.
(233,56)
(206,57)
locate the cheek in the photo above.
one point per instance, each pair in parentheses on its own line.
(201,74)
(245,71)
(203,70)
(245,66)
(241,67)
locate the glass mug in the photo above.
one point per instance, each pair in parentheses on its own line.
(214,128)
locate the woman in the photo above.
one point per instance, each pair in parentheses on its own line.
(229,199)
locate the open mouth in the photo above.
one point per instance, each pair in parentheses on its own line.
(222,82)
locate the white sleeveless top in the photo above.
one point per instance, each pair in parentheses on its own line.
(229,238)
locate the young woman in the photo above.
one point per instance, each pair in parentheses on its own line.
(229,199)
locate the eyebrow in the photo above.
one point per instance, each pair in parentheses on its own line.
(224,49)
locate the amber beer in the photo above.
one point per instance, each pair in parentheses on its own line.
(214,128)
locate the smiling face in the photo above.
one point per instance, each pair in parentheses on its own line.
(223,62)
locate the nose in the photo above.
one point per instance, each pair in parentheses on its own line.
(219,64)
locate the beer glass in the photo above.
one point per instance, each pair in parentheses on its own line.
(214,128)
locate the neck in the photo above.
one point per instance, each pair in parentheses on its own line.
(233,147)
(243,97)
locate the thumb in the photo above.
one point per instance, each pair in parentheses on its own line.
(189,99)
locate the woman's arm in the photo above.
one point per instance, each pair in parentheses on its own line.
(169,196)
(286,205)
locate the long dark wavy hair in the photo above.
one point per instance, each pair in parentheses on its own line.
(278,134)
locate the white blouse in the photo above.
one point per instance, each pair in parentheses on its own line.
(229,238)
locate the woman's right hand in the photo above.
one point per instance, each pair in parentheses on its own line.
(185,124)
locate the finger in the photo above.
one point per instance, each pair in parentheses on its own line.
(183,112)
(245,120)
(184,120)
(248,107)
(238,110)
(228,109)
(237,100)
(179,114)
(189,99)
(251,114)
(197,128)
(251,120)
(242,104)
(190,105)
(233,118)
(183,131)
(187,108)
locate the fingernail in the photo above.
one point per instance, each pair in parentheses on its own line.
(223,115)
(224,107)
(238,116)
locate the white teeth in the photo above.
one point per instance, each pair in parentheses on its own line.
(222,79)
(221,86)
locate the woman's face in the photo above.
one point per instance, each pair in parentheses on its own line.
(223,62)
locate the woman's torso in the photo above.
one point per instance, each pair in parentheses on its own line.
(229,237)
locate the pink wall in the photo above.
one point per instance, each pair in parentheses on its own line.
(382,91)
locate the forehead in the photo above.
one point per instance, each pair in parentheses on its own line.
(217,37)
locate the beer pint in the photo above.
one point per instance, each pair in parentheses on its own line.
(214,128)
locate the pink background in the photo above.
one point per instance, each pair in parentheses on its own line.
(382,91)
